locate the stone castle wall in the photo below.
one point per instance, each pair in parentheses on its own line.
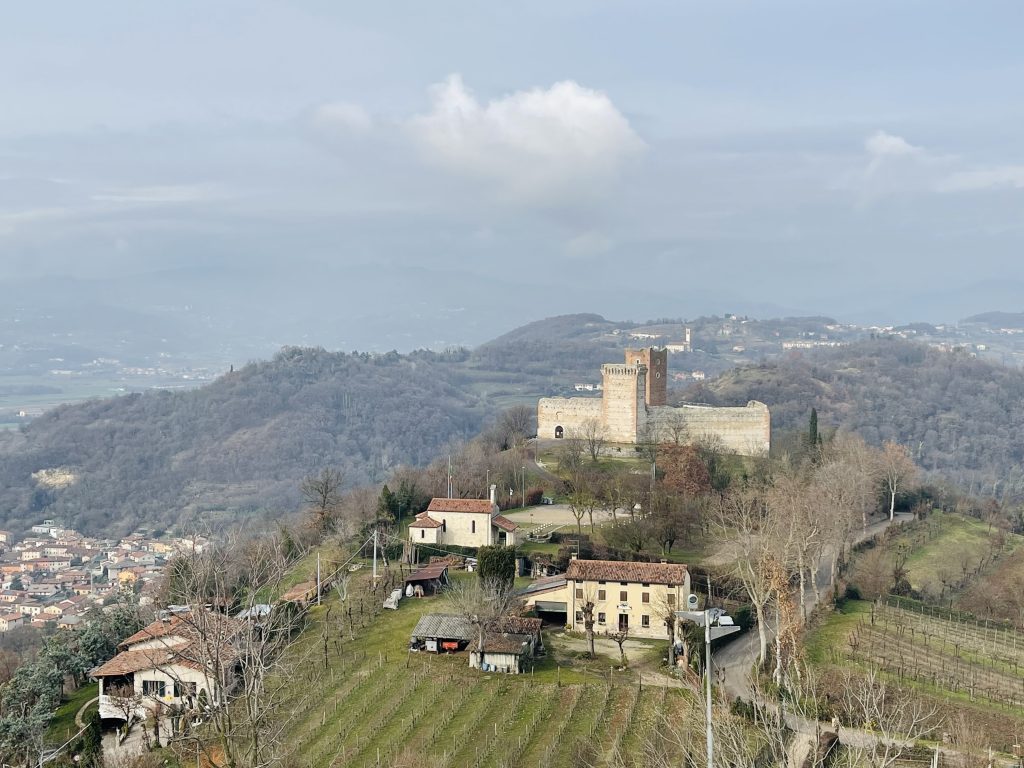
(744,430)
(627,415)
(569,413)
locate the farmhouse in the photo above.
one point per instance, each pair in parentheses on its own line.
(184,660)
(463,523)
(631,597)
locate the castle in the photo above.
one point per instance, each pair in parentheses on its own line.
(633,409)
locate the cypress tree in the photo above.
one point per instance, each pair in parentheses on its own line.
(813,438)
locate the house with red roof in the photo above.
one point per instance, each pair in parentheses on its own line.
(463,523)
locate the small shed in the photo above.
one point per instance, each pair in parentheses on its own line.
(441,633)
(503,652)
(430,579)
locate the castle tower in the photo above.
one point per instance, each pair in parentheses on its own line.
(623,412)
(656,363)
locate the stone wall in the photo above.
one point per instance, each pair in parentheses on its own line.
(744,430)
(623,411)
(569,413)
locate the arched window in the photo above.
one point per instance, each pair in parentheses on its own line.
(559,433)
(444,526)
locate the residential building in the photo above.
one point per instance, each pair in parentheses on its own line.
(463,523)
(184,660)
(626,595)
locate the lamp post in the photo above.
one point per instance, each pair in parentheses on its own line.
(524,488)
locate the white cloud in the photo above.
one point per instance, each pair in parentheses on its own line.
(565,139)
(1007,176)
(342,115)
(882,144)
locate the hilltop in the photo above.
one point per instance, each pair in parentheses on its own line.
(239,444)
(960,415)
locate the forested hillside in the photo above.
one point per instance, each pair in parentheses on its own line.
(961,417)
(241,443)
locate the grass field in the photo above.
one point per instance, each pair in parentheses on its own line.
(375,699)
(62,726)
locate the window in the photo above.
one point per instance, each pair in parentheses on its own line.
(623,596)
(423,534)
(600,617)
(624,583)
(645,620)
(153,687)
(444,526)
(472,526)
(602,595)
(579,594)
(645,584)
(645,597)
(670,598)
(600,582)
(184,689)
(579,617)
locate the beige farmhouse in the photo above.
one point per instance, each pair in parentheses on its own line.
(626,596)
(463,523)
(184,661)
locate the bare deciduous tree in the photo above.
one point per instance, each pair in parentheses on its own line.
(898,471)
(483,603)
(322,492)
(594,436)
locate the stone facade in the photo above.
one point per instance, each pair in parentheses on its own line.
(632,409)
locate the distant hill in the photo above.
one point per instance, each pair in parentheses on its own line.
(960,416)
(997,319)
(241,443)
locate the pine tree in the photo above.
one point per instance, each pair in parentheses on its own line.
(813,438)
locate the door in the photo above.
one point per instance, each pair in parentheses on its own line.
(623,622)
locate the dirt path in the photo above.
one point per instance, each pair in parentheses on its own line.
(80,714)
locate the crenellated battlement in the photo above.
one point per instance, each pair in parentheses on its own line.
(618,369)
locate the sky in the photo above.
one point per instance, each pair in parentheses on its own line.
(511,161)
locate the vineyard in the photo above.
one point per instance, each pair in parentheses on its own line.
(940,649)
(359,698)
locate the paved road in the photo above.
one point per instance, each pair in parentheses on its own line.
(735,660)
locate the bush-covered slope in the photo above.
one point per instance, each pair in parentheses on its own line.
(242,442)
(961,417)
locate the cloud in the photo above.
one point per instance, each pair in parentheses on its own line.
(342,115)
(543,143)
(882,144)
(1002,177)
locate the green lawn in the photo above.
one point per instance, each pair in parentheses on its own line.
(62,726)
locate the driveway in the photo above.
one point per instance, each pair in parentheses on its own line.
(558,514)
(734,661)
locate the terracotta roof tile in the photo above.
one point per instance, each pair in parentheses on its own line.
(504,523)
(614,570)
(422,521)
(479,506)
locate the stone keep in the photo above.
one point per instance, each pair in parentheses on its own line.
(632,409)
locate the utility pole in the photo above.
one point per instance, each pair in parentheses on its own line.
(707,675)
(375,553)
(318,578)
(523,505)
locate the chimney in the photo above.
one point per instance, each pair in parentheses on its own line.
(573,556)
(664,561)
(493,489)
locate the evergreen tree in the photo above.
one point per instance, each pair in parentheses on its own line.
(813,438)
(497,564)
